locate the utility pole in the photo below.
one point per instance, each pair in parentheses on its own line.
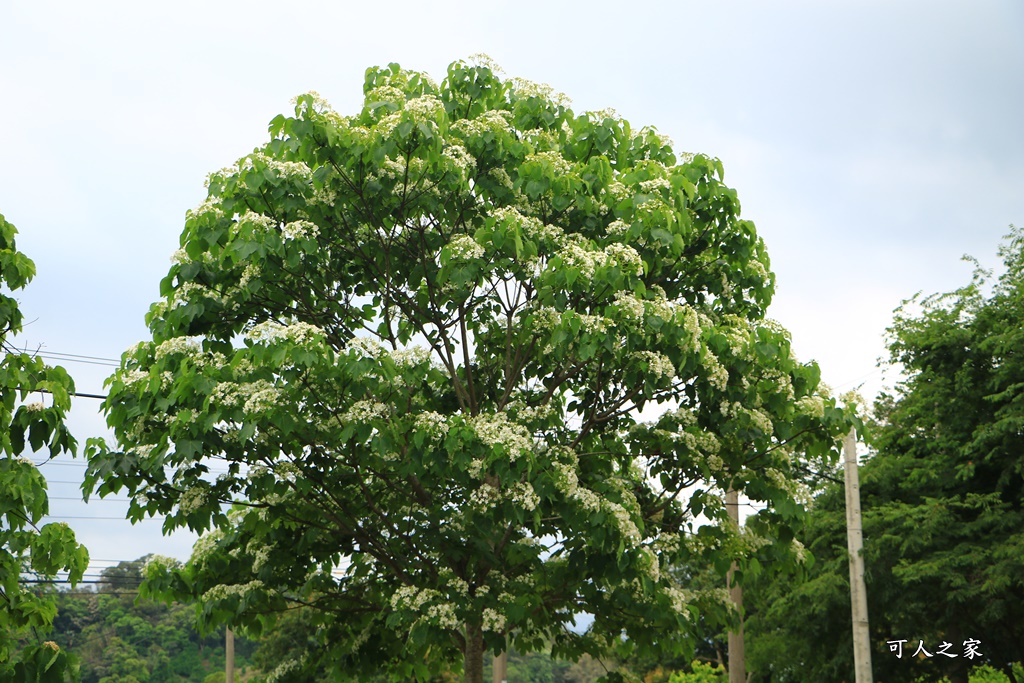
(501,668)
(855,543)
(737,656)
(229,651)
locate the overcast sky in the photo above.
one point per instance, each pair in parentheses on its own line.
(872,143)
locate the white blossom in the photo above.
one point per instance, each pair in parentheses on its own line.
(176,345)
(523,495)
(270,332)
(300,230)
(494,429)
(433,423)
(193,499)
(365,411)
(459,157)
(493,620)
(631,307)
(465,248)
(658,364)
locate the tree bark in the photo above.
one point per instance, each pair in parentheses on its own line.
(473,656)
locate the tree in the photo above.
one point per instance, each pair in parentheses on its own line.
(942,497)
(26,547)
(417,339)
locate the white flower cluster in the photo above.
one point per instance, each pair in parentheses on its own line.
(484,497)
(587,499)
(627,528)
(459,157)
(161,562)
(811,405)
(34,406)
(262,400)
(753,541)
(250,271)
(193,499)
(319,105)
(285,668)
(632,308)
(413,598)
(494,429)
(502,176)
(233,394)
(523,495)
(654,185)
(617,228)
(365,411)
(557,161)
(285,169)
(385,93)
(188,290)
(717,375)
(667,542)
(133,377)
(257,220)
(425,107)
(206,544)
(799,550)
(625,257)
(209,206)
(679,597)
(491,121)
(260,554)
(300,230)
(176,345)
(365,346)
(225,591)
(527,88)
(575,255)
(433,423)
(658,364)
(443,613)
(465,248)
(759,270)
(270,332)
(493,621)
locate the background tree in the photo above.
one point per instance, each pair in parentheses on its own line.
(419,338)
(943,502)
(27,547)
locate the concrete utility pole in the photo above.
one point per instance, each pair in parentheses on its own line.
(501,668)
(737,656)
(229,651)
(855,543)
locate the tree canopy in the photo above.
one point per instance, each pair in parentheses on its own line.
(27,546)
(417,343)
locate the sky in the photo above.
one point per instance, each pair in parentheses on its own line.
(872,143)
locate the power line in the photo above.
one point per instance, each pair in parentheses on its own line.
(71,356)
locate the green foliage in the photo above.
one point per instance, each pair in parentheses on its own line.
(419,338)
(700,672)
(28,548)
(117,637)
(943,504)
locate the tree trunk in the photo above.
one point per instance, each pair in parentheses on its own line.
(473,656)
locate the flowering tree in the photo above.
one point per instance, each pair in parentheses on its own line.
(25,545)
(418,339)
